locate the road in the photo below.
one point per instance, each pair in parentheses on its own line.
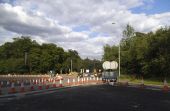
(92,98)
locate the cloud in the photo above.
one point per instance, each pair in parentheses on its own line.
(83,25)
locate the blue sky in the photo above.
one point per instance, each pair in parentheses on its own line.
(154,7)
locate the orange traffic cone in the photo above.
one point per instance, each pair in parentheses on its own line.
(8,83)
(74,82)
(32,87)
(97,80)
(82,80)
(68,82)
(90,80)
(165,87)
(12,89)
(142,86)
(78,80)
(22,89)
(61,83)
(0,90)
(39,86)
(47,86)
(1,83)
(87,80)
(54,84)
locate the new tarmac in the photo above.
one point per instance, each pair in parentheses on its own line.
(91,98)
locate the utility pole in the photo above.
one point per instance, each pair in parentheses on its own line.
(118,54)
(71,65)
(119,59)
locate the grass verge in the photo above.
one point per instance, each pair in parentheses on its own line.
(147,81)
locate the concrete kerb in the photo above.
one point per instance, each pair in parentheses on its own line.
(150,87)
(30,93)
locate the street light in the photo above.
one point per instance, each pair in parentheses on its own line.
(119,59)
(118,54)
(71,65)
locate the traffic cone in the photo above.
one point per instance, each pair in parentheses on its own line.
(39,86)
(97,80)
(32,87)
(8,83)
(33,81)
(78,80)
(68,82)
(61,83)
(42,81)
(126,83)
(81,80)
(0,90)
(74,82)
(84,80)
(100,80)
(1,84)
(87,80)
(47,86)
(12,89)
(36,81)
(142,86)
(54,84)
(22,89)
(94,79)
(90,79)
(165,87)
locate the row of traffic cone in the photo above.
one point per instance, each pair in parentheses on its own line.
(164,89)
(22,88)
(43,81)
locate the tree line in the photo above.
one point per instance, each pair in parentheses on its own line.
(142,54)
(24,55)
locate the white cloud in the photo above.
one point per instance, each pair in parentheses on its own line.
(53,21)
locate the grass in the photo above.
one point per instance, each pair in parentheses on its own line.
(147,81)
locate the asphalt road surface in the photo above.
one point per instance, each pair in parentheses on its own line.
(92,98)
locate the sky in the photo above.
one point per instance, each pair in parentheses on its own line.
(82,25)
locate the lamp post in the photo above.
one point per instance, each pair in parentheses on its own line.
(71,65)
(119,56)
(119,59)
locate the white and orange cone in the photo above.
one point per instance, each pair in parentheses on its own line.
(87,80)
(78,80)
(81,80)
(97,80)
(22,89)
(68,82)
(12,89)
(90,79)
(0,90)
(74,82)
(2,83)
(54,84)
(8,83)
(47,84)
(39,86)
(31,87)
(61,83)
(165,87)
(142,84)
